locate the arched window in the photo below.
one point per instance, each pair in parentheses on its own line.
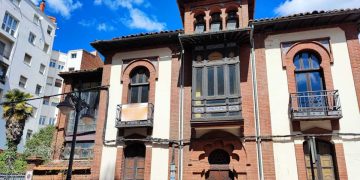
(139,86)
(309,82)
(199,23)
(308,73)
(216,24)
(219,156)
(320,160)
(232,20)
(134,162)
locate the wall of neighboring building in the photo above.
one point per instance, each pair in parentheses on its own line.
(161,127)
(91,61)
(74,62)
(24,13)
(343,81)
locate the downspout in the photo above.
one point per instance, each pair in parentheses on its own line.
(256,105)
(181,111)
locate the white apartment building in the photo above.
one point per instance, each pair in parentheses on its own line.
(59,62)
(26,41)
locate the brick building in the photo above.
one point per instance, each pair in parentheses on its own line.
(228,97)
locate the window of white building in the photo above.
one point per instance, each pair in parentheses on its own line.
(73,55)
(49,81)
(36,19)
(42,120)
(49,30)
(32,38)
(22,81)
(38,89)
(9,24)
(52,63)
(27,59)
(46,48)
(42,69)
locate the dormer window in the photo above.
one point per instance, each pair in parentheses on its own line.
(200,24)
(215,22)
(232,21)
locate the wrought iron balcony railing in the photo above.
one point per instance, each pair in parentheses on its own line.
(313,105)
(216,109)
(135,115)
(80,153)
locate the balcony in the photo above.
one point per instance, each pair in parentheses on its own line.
(4,56)
(315,105)
(135,115)
(216,110)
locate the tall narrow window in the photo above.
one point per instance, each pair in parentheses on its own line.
(309,81)
(139,86)
(232,21)
(319,160)
(134,162)
(200,23)
(215,22)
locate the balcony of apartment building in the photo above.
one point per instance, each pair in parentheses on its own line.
(135,115)
(315,105)
(313,100)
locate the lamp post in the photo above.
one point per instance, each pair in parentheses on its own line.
(71,103)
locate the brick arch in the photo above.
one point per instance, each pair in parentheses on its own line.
(196,12)
(125,78)
(215,9)
(215,140)
(317,48)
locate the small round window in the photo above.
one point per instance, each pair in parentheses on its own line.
(215,56)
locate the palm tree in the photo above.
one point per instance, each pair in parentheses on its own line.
(15,112)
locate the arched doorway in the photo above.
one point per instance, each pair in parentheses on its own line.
(219,161)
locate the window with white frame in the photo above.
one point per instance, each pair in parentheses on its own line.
(36,19)
(46,48)
(42,120)
(27,59)
(31,38)
(9,24)
(22,81)
(34,111)
(60,67)
(28,134)
(3,70)
(50,81)
(42,69)
(51,121)
(52,63)
(58,82)
(49,30)
(38,89)
(73,55)
(46,101)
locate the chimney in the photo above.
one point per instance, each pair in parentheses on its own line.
(42,5)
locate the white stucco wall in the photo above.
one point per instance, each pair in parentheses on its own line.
(161,128)
(279,96)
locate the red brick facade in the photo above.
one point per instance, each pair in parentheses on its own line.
(237,140)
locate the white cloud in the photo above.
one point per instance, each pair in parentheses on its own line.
(105,27)
(137,19)
(298,6)
(87,23)
(63,7)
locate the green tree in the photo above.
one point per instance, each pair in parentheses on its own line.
(39,144)
(15,112)
(17,164)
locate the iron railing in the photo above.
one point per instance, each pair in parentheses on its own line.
(135,115)
(315,105)
(80,153)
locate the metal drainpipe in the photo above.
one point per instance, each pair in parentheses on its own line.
(181,111)
(256,106)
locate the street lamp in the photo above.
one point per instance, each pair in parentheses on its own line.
(70,103)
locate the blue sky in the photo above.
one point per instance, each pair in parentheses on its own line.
(83,21)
